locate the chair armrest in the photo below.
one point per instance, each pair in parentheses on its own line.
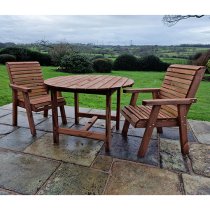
(140,90)
(176,101)
(20,88)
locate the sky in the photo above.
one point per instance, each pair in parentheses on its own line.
(103,29)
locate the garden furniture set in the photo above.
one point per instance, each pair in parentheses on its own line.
(168,108)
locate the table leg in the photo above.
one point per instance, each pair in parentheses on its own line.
(55,116)
(108,121)
(118,109)
(76,107)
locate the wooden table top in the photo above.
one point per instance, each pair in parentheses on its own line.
(88,82)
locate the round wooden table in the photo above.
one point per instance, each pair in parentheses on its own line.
(89,84)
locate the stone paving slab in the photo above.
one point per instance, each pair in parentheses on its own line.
(72,179)
(139,132)
(70,111)
(200,158)
(9,107)
(100,123)
(129,178)
(173,133)
(87,152)
(196,185)
(22,119)
(4,112)
(102,163)
(6,129)
(71,149)
(7,192)
(201,130)
(47,125)
(171,156)
(127,149)
(23,173)
(19,139)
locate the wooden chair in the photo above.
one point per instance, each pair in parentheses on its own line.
(169,106)
(29,91)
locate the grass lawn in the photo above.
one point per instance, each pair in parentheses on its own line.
(199,111)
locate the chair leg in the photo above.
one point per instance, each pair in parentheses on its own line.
(159,129)
(14,114)
(125,128)
(148,131)
(14,109)
(145,141)
(63,115)
(29,114)
(183,129)
(46,113)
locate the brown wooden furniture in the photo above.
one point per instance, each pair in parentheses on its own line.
(29,91)
(90,84)
(169,106)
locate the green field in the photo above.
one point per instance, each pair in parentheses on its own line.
(199,111)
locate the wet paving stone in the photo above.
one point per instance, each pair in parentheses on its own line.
(24,173)
(127,149)
(138,132)
(171,156)
(70,149)
(102,163)
(19,139)
(173,133)
(9,107)
(22,119)
(47,125)
(196,185)
(72,179)
(70,111)
(4,112)
(200,159)
(135,179)
(201,130)
(100,123)
(5,129)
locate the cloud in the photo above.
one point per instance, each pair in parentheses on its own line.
(103,29)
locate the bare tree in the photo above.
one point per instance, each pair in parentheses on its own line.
(202,60)
(171,20)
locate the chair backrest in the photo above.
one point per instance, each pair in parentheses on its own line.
(28,74)
(181,81)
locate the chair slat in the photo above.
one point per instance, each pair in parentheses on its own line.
(28,74)
(177,75)
(181,71)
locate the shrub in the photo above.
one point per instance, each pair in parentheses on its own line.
(6,58)
(97,57)
(125,62)
(76,63)
(23,54)
(102,65)
(152,63)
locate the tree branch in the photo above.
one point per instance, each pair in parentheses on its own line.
(171,20)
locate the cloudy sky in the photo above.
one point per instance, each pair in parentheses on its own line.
(103,29)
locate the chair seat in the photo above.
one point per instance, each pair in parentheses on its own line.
(44,100)
(138,115)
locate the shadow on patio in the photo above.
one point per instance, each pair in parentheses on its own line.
(33,165)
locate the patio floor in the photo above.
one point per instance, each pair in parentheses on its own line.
(33,165)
